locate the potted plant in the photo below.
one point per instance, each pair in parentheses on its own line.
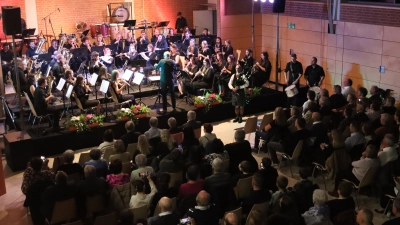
(199,102)
(251,93)
(84,122)
(207,101)
(125,114)
(140,111)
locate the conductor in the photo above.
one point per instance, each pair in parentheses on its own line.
(166,75)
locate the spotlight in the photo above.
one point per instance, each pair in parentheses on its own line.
(263,0)
(271,1)
(256,0)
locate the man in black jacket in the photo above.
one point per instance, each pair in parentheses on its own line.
(259,195)
(166,216)
(131,136)
(238,151)
(191,116)
(204,213)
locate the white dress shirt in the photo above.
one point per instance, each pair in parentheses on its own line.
(348,90)
(387,154)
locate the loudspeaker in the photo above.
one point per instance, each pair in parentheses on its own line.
(11,20)
(278,6)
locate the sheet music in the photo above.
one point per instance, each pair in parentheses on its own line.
(69,91)
(104,86)
(144,56)
(127,75)
(61,84)
(138,78)
(93,79)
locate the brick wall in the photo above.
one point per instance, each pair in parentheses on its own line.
(386,16)
(18,3)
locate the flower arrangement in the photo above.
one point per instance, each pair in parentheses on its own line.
(251,92)
(207,101)
(84,122)
(135,111)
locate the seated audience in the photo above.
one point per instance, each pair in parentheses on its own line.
(362,93)
(218,178)
(324,93)
(356,137)
(143,146)
(193,185)
(319,213)
(217,151)
(337,100)
(69,167)
(131,136)
(116,177)
(312,108)
(386,126)
(389,107)
(121,153)
(99,164)
(191,117)
(126,217)
(351,101)
(396,213)
(282,183)
(364,217)
(257,196)
(348,117)
(374,111)
(163,190)
(153,131)
(304,183)
(347,89)
(108,141)
(344,203)
(141,198)
(337,152)
(387,151)
(325,108)
(360,115)
(288,208)
(310,98)
(189,141)
(375,93)
(172,162)
(245,169)
(173,129)
(269,173)
(166,144)
(231,219)
(205,212)
(369,133)
(256,217)
(295,113)
(143,170)
(37,171)
(208,135)
(166,216)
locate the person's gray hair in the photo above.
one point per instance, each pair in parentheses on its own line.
(90,171)
(191,115)
(319,197)
(172,122)
(68,156)
(240,135)
(153,122)
(130,126)
(390,140)
(141,160)
(217,165)
(371,152)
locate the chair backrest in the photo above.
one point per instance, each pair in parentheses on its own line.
(30,104)
(127,167)
(84,157)
(107,153)
(251,125)
(237,212)
(267,119)
(297,150)
(197,133)
(140,213)
(109,219)
(78,102)
(176,179)
(95,204)
(178,137)
(158,210)
(369,177)
(131,149)
(262,207)
(64,211)
(244,188)
(113,94)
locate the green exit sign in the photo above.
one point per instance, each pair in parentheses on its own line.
(291,26)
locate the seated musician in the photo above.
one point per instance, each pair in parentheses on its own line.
(205,32)
(31,86)
(160,43)
(169,35)
(69,77)
(132,53)
(192,49)
(220,63)
(218,45)
(99,40)
(186,36)
(41,103)
(227,49)
(142,41)
(107,59)
(247,62)
(86,44)
(53,59)
(20,73)
(262,71)
(130,39)
(187,74)
(117,42)
(204,52)
(71,44)
(202,79)
(225,75)
(53,47)
(149,55)
(118,84)
(81,92)
(59,68)
(155,36)
(30,52)
(94,63)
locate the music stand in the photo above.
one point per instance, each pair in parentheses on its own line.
(104,89)
(93,82)
(46,57)
(28,32)
(163,24)
(99,49)
(130,24)
(175,38)
(138,80)
(60,87)
(127,76)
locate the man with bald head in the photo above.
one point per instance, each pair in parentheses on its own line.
(204,213)
(364,217)
(231,219)
(166,216)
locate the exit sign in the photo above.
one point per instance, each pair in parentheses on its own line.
(291,26)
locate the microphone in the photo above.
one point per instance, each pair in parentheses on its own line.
(58,9)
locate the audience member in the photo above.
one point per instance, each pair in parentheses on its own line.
(189,141)
(387,151)
(173,129)
(356,137)
(362,93)
(163,190)
(258,195)
(282,183)
(375,94)
(295,113)
(143,170)
(396,213)
(374,111)
(389,107)
(217,151)
(369,133)
(364,217)
(141,198)
(288,208)
(37,171)
(352,101)
(99,164)
(108,141)
(269,173)
(166,216)
(153,131)
(126,217)
(256,217)
(386,126)
(205,212)
(319,213)
(171,163)
(231,219)
(218,178)
(310,98)
(324,93)
(304,183)
(325,108)
(193,185)
(69,167)
(348,114)
(121,153)
(344,203)
(245,169)
(143,146)
(208,135)
(361,116)
(238,151)
(347,89)
(131,136)
(116,177)
(318,130)
(191,117)
(312,108)
(337,100)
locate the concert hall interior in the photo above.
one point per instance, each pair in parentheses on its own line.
(333,62)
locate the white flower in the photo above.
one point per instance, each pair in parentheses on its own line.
(74,118)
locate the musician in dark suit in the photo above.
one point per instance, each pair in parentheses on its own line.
(192,123)
(155,36)
(166,75)
(6,55)
(53,47)
(293,73)
(202,79)
(117,42)
(30,52)
(21,74)
(58,68)
(247,61)
(142,41)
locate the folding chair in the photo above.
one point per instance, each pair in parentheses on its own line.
(267,119)
(178,137)
(79,103)
(115,98)
(131,149)
(107,153)
(63,211)
(250,126)
(84,157)
(243,188)
(109,219)
(140,213)
(36,116)
(294,157)
(321,168)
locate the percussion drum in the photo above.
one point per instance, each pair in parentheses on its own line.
(93,30)
(104,30)
(113,30)
(97,28)
(120,14)
(315,89)
(291,91)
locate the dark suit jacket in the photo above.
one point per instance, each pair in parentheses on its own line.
(290,143)
(204,217)
(394,221)
(54,194)
(130,137)
(320,133)
(270,175)
(170,219)
(325,111)
(361,117)
(256,197)
(216,180)
(239,152)
(193,124)
(89,188)
(175,130)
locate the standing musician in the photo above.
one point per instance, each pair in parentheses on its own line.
(30,52)
(107,59)
(166,81)
(192,49)
(86,44)
(247,62)
(227,49)
(202,79)
(237,83)
(226,74)
(81,92)
(94,63)
(204,52)
(99,40)
(142,41)
(261,71)
(187,74)
(174,55)
(71,43)
(293,73)
(180,23)
(69,77)
(53,47)
(218,45)
(118,84)
(314,74)
(41,103)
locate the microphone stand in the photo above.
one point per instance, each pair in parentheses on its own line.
(45,25)
(52,28)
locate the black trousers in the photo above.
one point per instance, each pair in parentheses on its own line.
(56,115)
(166,87)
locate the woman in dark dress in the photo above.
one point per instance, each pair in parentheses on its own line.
(81,91)
(262,71)
(238,84)
(202,79)
(227,49)
(225,75)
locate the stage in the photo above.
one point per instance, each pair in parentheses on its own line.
(20,150)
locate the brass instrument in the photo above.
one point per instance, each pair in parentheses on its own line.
(40,45)
(29,65)
(50,80)
(62,42)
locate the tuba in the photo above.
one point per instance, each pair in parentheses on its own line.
(62,42)
(40,45)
